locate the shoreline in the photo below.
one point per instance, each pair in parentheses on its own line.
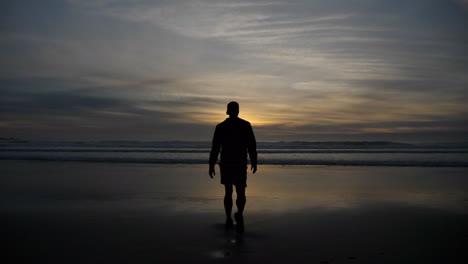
(422,164)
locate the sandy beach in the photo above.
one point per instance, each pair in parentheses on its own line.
(76,212)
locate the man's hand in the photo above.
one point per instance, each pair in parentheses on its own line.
(211,172)
(253,168)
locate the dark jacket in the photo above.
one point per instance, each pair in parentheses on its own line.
(234,137)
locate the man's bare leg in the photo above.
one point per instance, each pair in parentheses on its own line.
(241,199)
(240,202)
(228,204)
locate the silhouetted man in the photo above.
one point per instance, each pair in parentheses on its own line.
(234,137)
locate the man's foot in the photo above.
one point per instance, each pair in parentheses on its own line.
(239,222)
(229,224)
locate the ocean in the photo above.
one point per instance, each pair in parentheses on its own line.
(364,153)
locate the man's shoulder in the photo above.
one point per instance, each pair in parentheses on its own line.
(233,121)
(245,122)
(222,123)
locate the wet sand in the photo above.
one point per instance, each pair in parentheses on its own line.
(72,212)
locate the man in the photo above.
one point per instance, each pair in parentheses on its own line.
(234,137)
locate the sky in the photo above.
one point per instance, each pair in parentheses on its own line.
(316,70)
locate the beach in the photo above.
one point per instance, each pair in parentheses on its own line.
(99,212)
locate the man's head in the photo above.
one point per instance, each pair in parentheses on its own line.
(232,109)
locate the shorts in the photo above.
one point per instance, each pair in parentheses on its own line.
(234,174)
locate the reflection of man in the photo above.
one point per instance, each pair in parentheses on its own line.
(234,137)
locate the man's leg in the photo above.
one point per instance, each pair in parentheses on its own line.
(228,200)
(240,202)
(241,199)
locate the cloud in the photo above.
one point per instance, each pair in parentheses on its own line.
(79,114)
(327,66)
(348,42)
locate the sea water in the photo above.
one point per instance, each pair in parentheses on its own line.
(279,153)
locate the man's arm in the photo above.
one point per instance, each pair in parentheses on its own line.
(252,147)
(215,149)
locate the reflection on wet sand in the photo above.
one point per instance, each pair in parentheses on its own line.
(186,188)
(296,188)
(88,212)
(232,243)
